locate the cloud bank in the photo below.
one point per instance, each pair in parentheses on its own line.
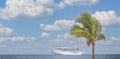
(27,7)
(107,17)
(14,8)
(4,30)
(44,34)
(57,25)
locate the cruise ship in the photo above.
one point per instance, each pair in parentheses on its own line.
(68,51)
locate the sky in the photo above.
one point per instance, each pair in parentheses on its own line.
(40,26)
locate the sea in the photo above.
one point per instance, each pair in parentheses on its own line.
(85,56)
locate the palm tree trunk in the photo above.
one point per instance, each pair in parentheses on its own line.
(93,51)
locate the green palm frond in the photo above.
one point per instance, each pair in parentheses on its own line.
(87,22)
(97,28)
(75,27)
(80,33)
(84,20)
(100,37)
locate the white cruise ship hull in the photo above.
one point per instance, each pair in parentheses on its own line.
(67,52)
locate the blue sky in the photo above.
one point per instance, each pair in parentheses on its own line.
(40,26)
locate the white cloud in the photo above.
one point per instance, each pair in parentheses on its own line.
(3,46)
(115,38)
(4,30)
(44,34)
(63,37)
(107,17)
(61,5)
(20,38)
(16,39)
(58,25)
(2,39)
(6,34)
(79,2)
(28,7)
(112,40)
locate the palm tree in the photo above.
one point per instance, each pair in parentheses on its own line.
(88,27)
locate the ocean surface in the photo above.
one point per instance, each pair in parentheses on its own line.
(104,56)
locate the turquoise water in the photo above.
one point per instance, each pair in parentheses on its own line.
(58,57)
